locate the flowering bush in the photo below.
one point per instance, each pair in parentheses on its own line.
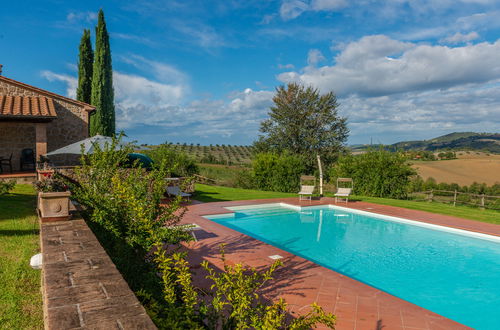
(52,183)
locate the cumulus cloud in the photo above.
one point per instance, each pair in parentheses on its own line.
(378,65)
(140,101)
(388,87)
(423,114)
(459,38)
(314,57)
(71,82)
(291,9)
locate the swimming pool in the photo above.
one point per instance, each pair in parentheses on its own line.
(451,272)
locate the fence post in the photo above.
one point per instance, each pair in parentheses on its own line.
(455,198)
(482,201)
(431,195)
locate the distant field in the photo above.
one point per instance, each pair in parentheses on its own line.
(468,168)
(217,154)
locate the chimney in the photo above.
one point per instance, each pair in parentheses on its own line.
(1,65)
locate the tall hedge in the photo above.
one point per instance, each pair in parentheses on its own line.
(377,173)
(103,120)
(277,172)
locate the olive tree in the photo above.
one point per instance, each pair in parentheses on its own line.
(303,121)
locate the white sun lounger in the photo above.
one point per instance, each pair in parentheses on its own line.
(343,193)
(306,192)
(176,191)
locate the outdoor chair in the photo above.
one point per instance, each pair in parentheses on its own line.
(306,192)
(6,161)
(176,191)
(190,228)
(343,192)
(27,159)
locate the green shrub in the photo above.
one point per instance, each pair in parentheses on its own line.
(232,302)
(178,162)
(277,172)
(377,173)
(125,210)
(126,202)
(6,186)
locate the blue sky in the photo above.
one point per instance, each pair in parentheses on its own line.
(205,71)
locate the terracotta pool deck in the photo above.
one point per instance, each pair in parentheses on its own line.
(302,282)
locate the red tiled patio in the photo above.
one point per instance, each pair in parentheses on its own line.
(301,282)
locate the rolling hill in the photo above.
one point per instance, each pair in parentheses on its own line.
(488,142)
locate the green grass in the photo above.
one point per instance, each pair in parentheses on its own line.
(465,212)
(207,193)
(20,297)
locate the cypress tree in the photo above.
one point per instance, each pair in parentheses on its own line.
(103,120)
(85,63)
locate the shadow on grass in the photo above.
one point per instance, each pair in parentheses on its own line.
(21,232)
(208,197)
(17,206)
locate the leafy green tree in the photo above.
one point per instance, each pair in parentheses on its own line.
(304,122)
(103,120)
(85,64)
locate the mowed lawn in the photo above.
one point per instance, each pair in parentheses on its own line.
(20,296)
(206,193)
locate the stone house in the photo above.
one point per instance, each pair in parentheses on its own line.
(34,118)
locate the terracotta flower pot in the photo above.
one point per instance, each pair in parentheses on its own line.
(53,206)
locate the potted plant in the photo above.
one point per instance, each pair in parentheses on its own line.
(53,199)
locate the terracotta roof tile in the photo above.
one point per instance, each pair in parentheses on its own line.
(24,107)
(86,107)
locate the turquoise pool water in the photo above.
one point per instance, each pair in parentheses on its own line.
(457,276)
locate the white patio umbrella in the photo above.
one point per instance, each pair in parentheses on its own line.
(89,145)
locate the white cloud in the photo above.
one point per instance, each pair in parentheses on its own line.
(131,37)
(363,67)
(163,72)
(288,66)
(314,57)
(459,38)
(423,114)
(71,82)
(328,4)
(84,16)
(388,88)
(142,101)
(291,9)
(200,34)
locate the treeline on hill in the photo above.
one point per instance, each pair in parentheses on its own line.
(429,155)
(488,142)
